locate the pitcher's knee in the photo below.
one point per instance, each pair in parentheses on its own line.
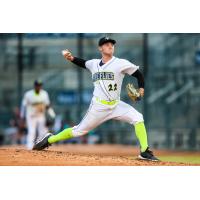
(139,118)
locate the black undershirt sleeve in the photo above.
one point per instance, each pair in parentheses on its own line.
(80,62)
(140,78)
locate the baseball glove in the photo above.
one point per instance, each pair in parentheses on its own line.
(133,93)
(50,116)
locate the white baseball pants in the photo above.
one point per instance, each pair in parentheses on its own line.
(99,113)
(35,124)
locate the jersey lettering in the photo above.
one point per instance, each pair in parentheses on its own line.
(103,76)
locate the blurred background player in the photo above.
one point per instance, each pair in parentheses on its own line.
(107,75)
(35,104)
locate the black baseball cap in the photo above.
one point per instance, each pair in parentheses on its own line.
(38,82)
(105,40)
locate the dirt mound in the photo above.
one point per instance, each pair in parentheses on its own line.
(77,155)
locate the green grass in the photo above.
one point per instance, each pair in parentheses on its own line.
(182,159)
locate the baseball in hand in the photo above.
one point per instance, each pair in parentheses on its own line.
(67,54)
(64,52)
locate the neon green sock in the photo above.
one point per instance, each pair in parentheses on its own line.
(63,135)
(141,134)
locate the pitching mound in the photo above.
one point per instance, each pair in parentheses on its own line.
(77,155)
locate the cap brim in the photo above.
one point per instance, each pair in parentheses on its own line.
(110,40)
(39,84)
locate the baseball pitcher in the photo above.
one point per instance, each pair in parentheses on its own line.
(107,76)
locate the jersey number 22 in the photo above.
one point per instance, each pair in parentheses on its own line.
(112,87)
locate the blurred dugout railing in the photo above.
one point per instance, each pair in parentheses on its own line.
(172,66)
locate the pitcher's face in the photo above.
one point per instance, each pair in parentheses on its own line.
(107,49)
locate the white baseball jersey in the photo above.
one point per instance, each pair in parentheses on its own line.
(35,104)
(108,78)
(107,81)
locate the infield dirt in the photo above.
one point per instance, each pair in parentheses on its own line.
(81,155)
